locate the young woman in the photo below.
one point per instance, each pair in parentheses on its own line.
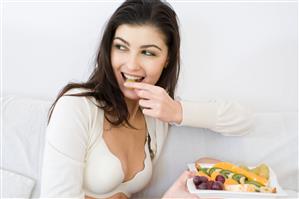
(105,135)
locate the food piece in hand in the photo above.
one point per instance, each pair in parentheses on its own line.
(130,80)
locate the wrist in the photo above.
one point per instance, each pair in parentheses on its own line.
(178,113)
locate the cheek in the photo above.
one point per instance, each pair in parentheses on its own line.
(115,60)
(154,70)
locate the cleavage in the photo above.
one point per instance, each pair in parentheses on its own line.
(128,146)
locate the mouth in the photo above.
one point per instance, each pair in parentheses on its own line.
(131,78)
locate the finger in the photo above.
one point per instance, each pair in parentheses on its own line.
(184,176)
(140,85)
(183,179)
(146,104)
(191,174)
(149,112)
(145,94)
(187,174)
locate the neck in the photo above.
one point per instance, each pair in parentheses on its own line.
(133,108)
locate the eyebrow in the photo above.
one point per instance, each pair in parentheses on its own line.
(143,46)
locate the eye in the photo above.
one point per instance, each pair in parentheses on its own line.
(148,53)
(120,47)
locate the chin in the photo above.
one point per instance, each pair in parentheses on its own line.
(130,94)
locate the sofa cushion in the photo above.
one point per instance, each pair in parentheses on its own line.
(15,185)
(24,124)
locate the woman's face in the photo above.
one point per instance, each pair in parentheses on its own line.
(138,53)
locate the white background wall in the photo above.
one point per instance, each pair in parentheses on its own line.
(240,51)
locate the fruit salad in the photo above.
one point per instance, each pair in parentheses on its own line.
(229,177)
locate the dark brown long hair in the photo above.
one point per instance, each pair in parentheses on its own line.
(102,84)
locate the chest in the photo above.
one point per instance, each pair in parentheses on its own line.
(118,162)
(126,144)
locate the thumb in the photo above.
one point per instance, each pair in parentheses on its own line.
(184,177)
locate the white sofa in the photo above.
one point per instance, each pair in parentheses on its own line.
(274,141)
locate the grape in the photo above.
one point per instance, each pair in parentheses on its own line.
(199,179)
(210,182)
(217,185)
(196,180)
(220,178)
(203,185)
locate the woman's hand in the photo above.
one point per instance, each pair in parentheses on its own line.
(156,102)
(179,190)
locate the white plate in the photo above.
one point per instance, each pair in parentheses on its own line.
(230,194)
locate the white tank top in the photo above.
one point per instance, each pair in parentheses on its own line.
(103,175)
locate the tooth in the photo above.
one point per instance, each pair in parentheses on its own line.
(132,77)
(130,80)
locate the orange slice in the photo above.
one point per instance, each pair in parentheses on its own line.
(236,169)
(230,181)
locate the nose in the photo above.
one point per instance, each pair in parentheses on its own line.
(133,62)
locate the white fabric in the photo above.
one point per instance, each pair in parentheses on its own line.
(110,173)
(226,117)
(14,185)
(76,159)
(75,125)
(23,134)
(24,124)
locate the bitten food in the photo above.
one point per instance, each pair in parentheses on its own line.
(230,177)
(130,80)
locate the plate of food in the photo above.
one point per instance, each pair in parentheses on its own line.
(224,179)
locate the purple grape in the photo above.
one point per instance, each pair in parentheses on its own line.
(197,180)
(217,186)
(220,178)
(203,185)
(210,183)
